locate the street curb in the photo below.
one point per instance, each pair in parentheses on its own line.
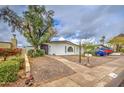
(115,82)
(109,81)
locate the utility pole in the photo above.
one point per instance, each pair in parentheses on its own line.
(80,51)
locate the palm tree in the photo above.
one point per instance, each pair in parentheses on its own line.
(102,40)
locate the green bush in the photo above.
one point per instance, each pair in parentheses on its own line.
(36,53)
(30,52)
(90,51)
(20,60)
(9,70)
(89,48)
(122,50)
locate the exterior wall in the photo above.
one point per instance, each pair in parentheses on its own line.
(5,45)
(14,43)
(29,47)
(62,49)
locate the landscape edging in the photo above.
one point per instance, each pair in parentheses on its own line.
(27,66)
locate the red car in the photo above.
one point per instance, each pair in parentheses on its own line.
(108,51)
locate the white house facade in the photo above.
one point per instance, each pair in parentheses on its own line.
(61,48)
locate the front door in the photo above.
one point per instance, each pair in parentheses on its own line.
(45,47)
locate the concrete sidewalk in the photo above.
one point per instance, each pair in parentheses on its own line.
(109,74)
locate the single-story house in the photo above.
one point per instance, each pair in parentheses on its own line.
(61,48)
(11,44)
(5,44)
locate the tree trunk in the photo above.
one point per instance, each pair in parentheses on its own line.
(38,46)
(5,57)
(35,48)
(117,48)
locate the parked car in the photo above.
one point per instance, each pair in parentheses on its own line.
(103,51)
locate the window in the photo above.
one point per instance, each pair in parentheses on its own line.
(70,49)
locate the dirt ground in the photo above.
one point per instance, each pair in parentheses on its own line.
(94,61)
(122,84)
(45,69)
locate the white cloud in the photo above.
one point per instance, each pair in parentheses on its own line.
(61,39)
(75,41)
(80,22)
(89,21)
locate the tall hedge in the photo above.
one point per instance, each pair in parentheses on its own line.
(9,70)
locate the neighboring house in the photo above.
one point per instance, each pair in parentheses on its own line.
(5,44)
(29,47)
(117,42)
(12,44)
(61,48)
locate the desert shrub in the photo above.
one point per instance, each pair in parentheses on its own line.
(9,70)
(90,51)
(36,53)
(89,48)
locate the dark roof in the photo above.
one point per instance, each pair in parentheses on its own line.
(120,35)
(5,42)
(64,41)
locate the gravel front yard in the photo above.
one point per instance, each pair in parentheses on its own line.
(94,61)
(45,69)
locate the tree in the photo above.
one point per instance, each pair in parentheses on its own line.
(118,42)
(102,40)
(35,24)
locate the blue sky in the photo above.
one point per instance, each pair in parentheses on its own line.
(73,22)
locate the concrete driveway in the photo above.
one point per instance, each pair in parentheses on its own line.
(110,74)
